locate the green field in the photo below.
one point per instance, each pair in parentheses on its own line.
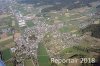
(43,57)
(6,54)
(9,64)
(75,50)
(30,23)
(28,62)
(64,29)
(5,42)
(6,21)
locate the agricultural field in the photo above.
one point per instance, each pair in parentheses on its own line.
(7,23)
(30,23)
(43,58)
(7,54)
(75,50)
(71,20)
(9,63)
(7,43)
(28,62)
(6,27)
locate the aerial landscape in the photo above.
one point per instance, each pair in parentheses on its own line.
(49,32)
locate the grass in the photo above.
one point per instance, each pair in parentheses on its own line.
(9,64)
(50,22)
(30,24)
(13,23)
(5,42)
(75,16)
(10,34)
(7,21)
(69,28)
(4,15)
(16,27)
(42,50)
(63,18)
(76,50)
(28,62)
(6,54)
(43,57)
(64,29)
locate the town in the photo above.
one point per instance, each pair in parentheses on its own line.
(31,34)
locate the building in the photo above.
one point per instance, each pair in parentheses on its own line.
(22,23)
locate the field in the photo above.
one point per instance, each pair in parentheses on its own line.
(30,23)
(28,62)
(43,57)
(9,64)
(6,23)
(6,54)
(7,43)
(74,51)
